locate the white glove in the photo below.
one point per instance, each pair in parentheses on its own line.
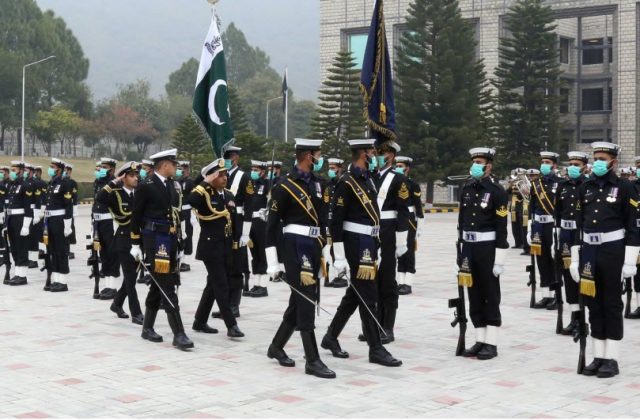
(26,222)
(529,233)
(264,214)
(498,262)
(180,255)
(75,211)
(574,268)
(244,238)
(273,266)
(67,227)
(183,230)
(136,252)
(194,219)
(340,263)
(401,243)
(326,254)
(1,218)
(37,216)
(419,228)
(629,269)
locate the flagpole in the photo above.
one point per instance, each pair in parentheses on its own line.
(286,107)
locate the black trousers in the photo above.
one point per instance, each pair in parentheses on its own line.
(636,281)
(605,309)
(300,312)
(217,289)
(128,288)
(387,285)
(545,261)
(35,235)
(484,295)
(58,247)
(19,245)
(108,255)
(516,224)
(188,243)
(407,262)
(570,288)
(259,238)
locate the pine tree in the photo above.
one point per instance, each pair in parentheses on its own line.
(191,142)
(238,116)
(339,115)
(442,99)
(527,79)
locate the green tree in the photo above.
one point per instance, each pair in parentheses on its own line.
(338,116)
(440,88)
(527,80)
(182,82)
(191,142)
(238,116)
(243,60)
(59,124)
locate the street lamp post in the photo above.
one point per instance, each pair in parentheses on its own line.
(24,69)
(267,121)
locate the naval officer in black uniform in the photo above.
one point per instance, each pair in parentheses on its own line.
(19,214)
(295,202)
(156,216)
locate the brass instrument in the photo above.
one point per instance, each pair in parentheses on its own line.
(521,181)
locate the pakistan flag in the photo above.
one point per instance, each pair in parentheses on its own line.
(211,99)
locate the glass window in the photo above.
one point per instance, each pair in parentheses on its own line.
(357,45)
(592,99)
(564,101)
(610,99)
(565,44)
(592,51)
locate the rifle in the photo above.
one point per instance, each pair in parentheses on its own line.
(94,261)
(581,333)
(460,314)
(629,291)
(44,255)
(6,255)
(531,269)
(559,266)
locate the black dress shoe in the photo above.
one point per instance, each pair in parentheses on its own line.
(593,367)
(382,357)
(59,287)
(151,335)
(608,369)
(319,370)
(184,267)
(46,288)
(488,351)
(259,291)
(635,314)
(107,294)
(524,253)
(204,328)
(473,350)
(403,289)
(339,282)
(332,344)
(280,356)
(182,342)
(570,329)
(18,281)
(389,338)
(542,303)
(234,332)
(552,305)
(118,311)
(72,255)
(138,319)
(361,337)
(33,264)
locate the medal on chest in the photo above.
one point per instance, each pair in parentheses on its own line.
(261,190)
(613,195)
(56,190)
(485,200)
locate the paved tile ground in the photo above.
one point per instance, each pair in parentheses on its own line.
(66,355)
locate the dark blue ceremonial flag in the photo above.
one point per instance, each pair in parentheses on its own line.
(376,84)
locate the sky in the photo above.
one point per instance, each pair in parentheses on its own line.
(126,40)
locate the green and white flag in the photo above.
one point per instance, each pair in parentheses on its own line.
(211,99)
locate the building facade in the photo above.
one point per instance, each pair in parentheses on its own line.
(597,43)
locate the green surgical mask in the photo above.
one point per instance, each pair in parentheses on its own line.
(13,176)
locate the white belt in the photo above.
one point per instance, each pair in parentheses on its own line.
(598,238)
(15,212)
(101,216)
(186,207)
(543,218)
(361,229)
(568,224)
(478,236)
(258,214)
(51,213)
(412,209)
(302,230)
(240,210)
(388,214)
